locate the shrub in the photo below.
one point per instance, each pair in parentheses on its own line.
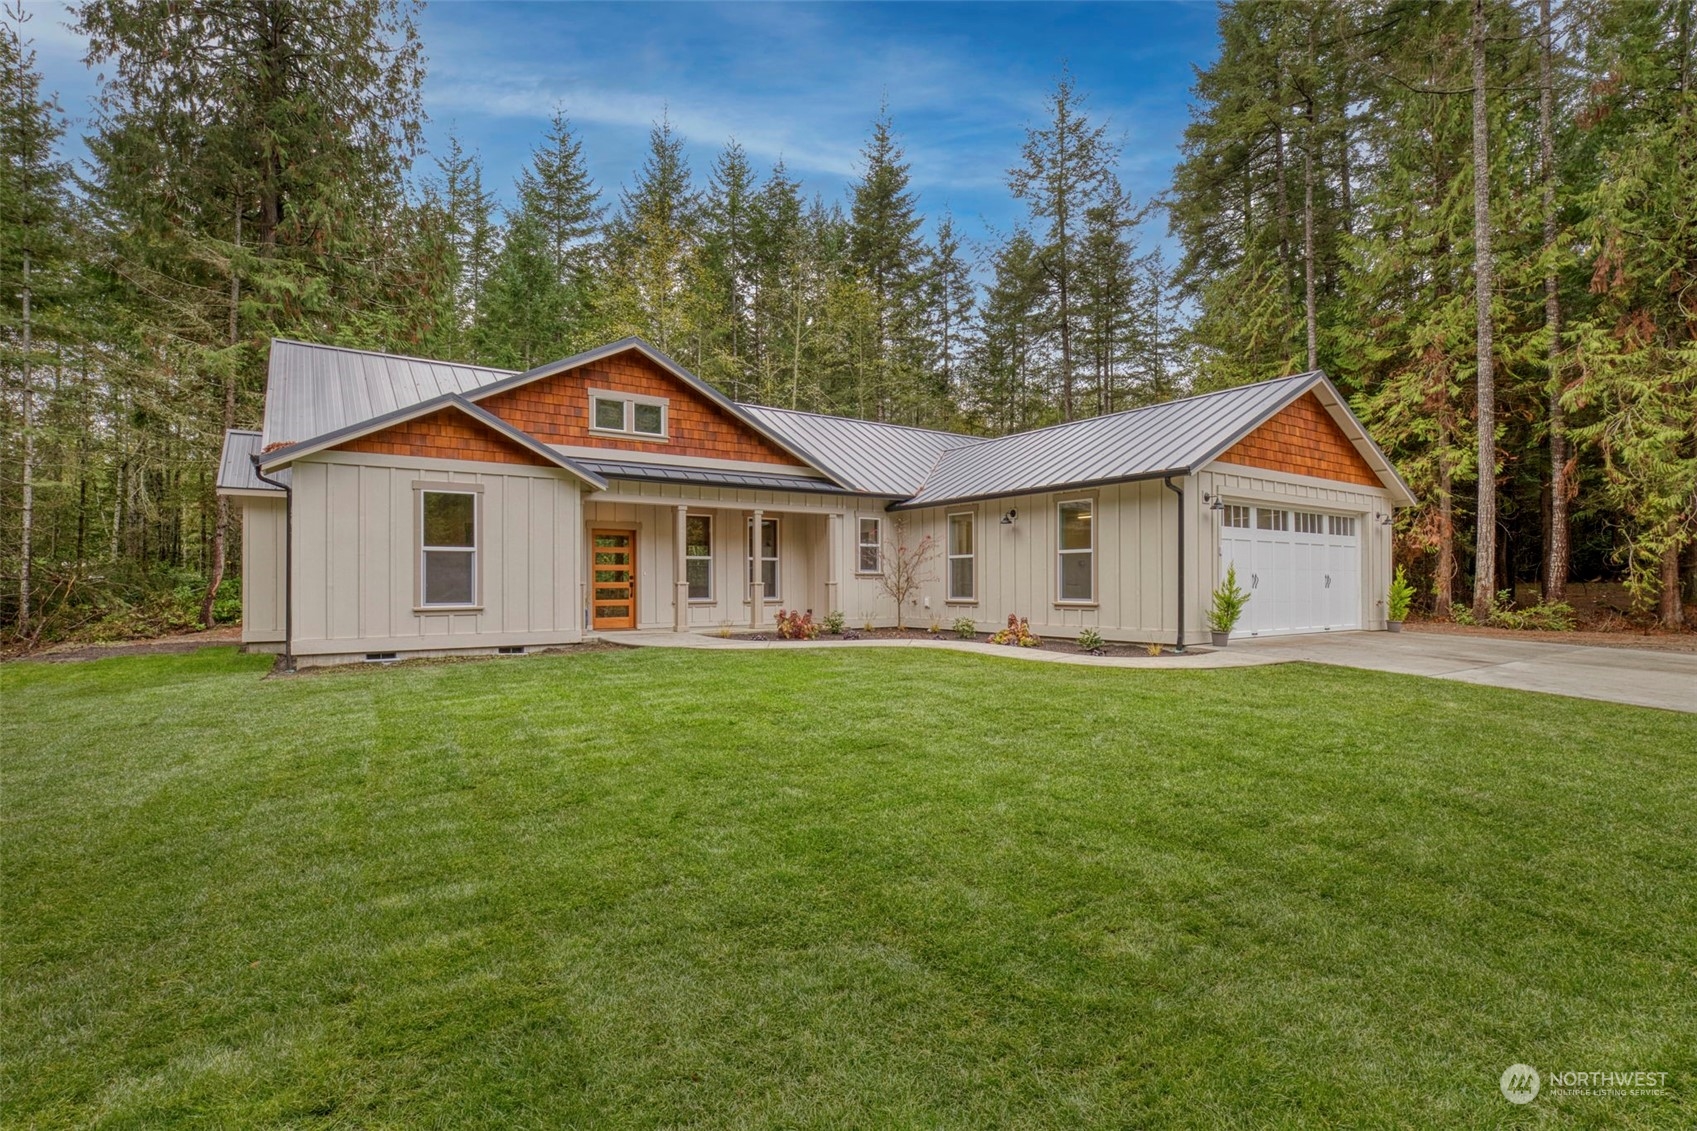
(1400,597)
(1229,600)
(964,628)
(1018,632)
(1090,640)
(797,625)
(1152,648)
(1557,617)
(834,622)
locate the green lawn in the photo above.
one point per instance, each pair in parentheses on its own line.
(833,889)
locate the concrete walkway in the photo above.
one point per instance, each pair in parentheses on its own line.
(1616,675)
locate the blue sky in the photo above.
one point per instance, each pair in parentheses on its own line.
(797,81)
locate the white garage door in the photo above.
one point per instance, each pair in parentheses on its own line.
(1302,568)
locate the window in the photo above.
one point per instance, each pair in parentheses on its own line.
(763,556)
(1272,520)
(1342,527)
(625,412)
(447,523)
(1235,516)
(1307,522)
(961,561)
(698,556)
(1077,551)
(871,547)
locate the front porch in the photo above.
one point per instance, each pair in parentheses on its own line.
(683,565)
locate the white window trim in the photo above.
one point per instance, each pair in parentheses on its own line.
(630,401)
(950,557)
(753,547)
(877,544)
(1061,555)
(419,491)
(708,558)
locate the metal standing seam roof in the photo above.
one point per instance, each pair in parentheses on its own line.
(312,390)
(235,465)
(891,460)
(707,476)
(1174,437)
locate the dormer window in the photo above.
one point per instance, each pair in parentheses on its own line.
(627,414)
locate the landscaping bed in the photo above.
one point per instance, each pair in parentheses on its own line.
(1064,645)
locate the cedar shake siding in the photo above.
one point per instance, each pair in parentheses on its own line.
(1303,439)
(444,434)
(555,410)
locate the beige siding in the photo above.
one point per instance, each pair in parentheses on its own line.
(1017,564)
(263,523)
(356,547)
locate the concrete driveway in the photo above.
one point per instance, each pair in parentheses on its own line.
(1617,675)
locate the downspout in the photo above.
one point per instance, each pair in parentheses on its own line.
(1179,491)
(288,563)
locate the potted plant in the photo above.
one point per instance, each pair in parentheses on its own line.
(1401,595)
(1229,600)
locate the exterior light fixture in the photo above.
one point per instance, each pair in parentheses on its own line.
(1007,519)
(1215,503)
(1384,519)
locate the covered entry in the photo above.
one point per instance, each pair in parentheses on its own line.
(1302,568)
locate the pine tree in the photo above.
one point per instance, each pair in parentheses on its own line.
(949,300)
(557,192)
(34,215)
(887,255)
(653,239)
(1065,170)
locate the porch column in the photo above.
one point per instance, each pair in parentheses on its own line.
(756,591)
(680,590)
(833,561)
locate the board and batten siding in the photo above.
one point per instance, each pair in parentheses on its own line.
(1017,564)
(356,549)
(1236,483)
(263,526)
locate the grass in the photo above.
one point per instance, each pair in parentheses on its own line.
(833,889)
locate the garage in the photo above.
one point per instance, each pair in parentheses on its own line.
(1302,568)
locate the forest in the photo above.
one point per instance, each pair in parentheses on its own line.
(1478,218)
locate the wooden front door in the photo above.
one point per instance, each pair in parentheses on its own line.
(612,579)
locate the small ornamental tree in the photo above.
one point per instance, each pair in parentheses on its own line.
(1400,597)
(906,568)
(1229,600)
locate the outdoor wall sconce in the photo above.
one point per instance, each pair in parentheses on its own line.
(1384,519)
(1215,503)
(1007,519)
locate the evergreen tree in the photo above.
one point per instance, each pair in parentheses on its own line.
(37,273)
(949,301)
(887,255)
(1066,169)
(653,240)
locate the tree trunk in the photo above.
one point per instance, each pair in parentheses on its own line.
(1443,589)
(221,526)
(1308,232)
(1485,555)
(1669,610)
(1556,552)
(27,517)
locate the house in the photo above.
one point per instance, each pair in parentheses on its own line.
(397,506)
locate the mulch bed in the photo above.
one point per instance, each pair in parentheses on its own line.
(1654,640)
(1050,643)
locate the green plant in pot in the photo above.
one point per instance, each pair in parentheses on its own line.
(1227,609)
(1397,601)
